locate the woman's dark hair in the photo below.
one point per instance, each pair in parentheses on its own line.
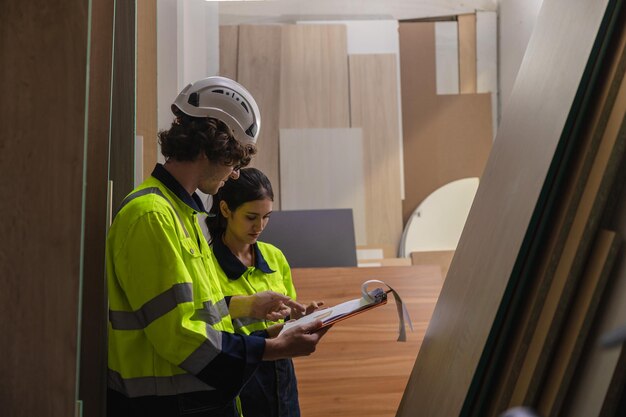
(251,185)
(190,136)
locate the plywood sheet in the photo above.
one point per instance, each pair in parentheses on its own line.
(229,51)
(579,321)
(564,251)
(359,369)
(146,101)
(323,169)
(314,77)
(598,180)
(467,53)
(374,37)
(446,138)
(376,114)
(43,78)
(505,201)
(94,317)
(259,71)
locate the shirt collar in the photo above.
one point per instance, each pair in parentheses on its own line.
(193,201)
(232,266)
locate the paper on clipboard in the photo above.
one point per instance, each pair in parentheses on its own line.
(346,309)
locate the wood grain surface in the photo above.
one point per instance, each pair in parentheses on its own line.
(505,201)
(359,369)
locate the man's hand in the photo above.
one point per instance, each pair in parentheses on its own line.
(267,305)
(297,341)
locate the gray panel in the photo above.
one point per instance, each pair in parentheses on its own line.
(313,238)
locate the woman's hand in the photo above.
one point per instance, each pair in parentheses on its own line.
(265,305)
(313,306)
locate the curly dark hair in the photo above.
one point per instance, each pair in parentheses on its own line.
(189,136)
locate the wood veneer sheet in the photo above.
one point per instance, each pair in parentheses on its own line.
(467,53)
(460,329)
(229,46)
(323,169)
(578,324)
(569,200)
(377,115)
(259,71)
(314,77)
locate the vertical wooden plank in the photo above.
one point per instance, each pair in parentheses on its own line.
(314,77)
(376,114)
(147,82)
(259,71)
(594,181)
(523,151)
(93,349)
(122,167)
(323,169)
(487,60)
(229,51)
(580,318)
(467,53)
(43,79)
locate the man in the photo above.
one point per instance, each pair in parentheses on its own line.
(172,350)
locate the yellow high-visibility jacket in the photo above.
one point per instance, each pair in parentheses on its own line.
(170,332)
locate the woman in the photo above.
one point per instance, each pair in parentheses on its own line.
(245,266)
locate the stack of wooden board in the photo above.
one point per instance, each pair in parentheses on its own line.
(521,309)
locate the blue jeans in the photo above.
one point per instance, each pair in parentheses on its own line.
(272,391)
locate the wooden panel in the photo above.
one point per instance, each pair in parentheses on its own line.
(93,348)
(596,182)
(43,78)
(579,322)
(487,60)
(259,72)
(323,169)
(554,248)
(314,77)
(561,268)
(122,167)
(376,114)
(147,82)
(446,138)
(358,368)
(504,204)
(229,51)
(441,258)
(467,53)
(594,376)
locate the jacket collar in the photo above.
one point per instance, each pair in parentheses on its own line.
(193,201)
(232,266)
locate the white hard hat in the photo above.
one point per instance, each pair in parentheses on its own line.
(225,100)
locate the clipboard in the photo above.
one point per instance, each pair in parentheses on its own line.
(343,311)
